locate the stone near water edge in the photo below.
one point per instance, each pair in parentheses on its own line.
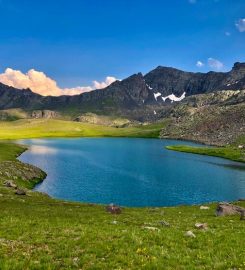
(204,207)
(190,234)
(201,226)
(20,192)
(10,184)
(227,209)
(113,209)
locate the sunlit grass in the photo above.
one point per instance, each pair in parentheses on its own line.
(231,153)
(38,232)
(36,128)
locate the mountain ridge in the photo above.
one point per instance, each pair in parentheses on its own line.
(161,86)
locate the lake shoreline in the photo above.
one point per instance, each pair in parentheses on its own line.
(50,229)
(84,200)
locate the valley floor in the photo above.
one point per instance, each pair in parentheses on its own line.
(37,232)
(44,128)
(51,128)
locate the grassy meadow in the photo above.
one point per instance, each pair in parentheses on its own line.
(36,128)
(232,153)
(38,232)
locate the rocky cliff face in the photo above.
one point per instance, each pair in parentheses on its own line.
(207,118)
(169,80)
(138,96)
(44,114)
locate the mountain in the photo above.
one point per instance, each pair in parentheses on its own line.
(216,118)
(138,96)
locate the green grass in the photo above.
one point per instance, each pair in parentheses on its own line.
(38,232)
(224,152)
(9,151)
(36,128)
(22,174)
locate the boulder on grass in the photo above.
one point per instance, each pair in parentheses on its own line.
(113,209)
(227,209)
(190,234)
(10,184)
(20,192)
(201,226)
(242,215)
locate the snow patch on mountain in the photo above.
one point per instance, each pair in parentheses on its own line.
(149,86)
(156,95)
(173,98)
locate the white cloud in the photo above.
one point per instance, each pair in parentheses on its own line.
(39,83)
(200,64)
(227,34)
(241,25)
(99,85)
(215,64)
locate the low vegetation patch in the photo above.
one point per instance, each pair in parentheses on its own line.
(37,232)
(14,171)
(36,128)
(231,153)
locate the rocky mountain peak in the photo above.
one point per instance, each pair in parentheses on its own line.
(239,66)
(161,86)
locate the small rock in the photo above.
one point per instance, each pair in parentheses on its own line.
(164,223)
(204,207)
(114,222)
(190,234)
(151,228)
(242,215)
(20,192)
(10,184)
(201,226)
(113,209)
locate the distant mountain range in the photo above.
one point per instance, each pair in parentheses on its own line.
(138,96)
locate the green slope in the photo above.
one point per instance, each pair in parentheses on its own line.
(37,232)
(35,128)
(228,152)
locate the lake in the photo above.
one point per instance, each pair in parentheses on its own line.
(132,172)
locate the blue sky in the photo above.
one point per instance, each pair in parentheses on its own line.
(75,42)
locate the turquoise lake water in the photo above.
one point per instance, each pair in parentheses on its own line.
(132,172)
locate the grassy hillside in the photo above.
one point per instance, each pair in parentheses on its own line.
(34,128)
(12,114)
(224,152)
(9,151)
(37,232)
